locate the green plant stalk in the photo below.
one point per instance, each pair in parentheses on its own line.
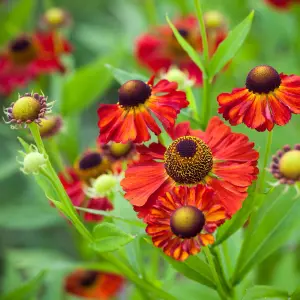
(151,11)
(52,147)
(215,275)
(65,200)
(206,100)
(199,13)
(206,106)
(261,179)
(193,103)
(135,278)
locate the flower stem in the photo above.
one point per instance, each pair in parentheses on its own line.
(261,179)
(206,106)
(199,13)
(215,275)
(206,101)
(65,200)
(151,11)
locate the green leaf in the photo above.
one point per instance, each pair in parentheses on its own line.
(296,294)
(28,289)
(25,145)
(264,292)
(16,19)
(83,87)
(267,233)
(237,221)
(111,215)
(229,47)
(108,237)
(193,54)
(122,76)
(195,269)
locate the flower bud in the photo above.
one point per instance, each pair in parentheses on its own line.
(33,161)
(182,78)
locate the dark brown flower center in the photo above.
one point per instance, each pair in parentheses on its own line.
(183,32)
(22,50)
(89,278)
(188,160)
(90,160)
(186,148)
(187,221)
(133,93)
(262,80)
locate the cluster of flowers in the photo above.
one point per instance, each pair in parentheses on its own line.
(31,55)
(183,190)
(282,4)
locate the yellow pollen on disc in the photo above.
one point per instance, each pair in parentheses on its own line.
(26,108)
(119,149)
(188,160)
(289,164)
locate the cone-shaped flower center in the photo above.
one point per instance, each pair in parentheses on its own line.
(188,160)
(133,93)
(119,149)
(183,32)
(89,278)
(90,160)
(187,221)
(262,80)
(22,50)
(289,164)
(26,109)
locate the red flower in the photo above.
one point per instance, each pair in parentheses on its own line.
(73,186)
(269,98)
(133,116)
(75,190)
(183,220)
(282,4)
(217,158)
(93,284)
(159,49)
(97,204)
(29,56)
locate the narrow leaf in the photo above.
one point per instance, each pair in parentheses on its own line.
(16,20)
(238,220)
(122,76)
(229,47)
(108,237)
(193,54)
(27,289)
(86,84)
(264,292)
(267,234)
(198,272)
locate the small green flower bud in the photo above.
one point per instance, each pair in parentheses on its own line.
(33,161)
(174,74)
(102,186)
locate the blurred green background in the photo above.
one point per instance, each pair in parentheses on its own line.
(106,31)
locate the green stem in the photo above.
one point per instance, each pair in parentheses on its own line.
(199,13)
(206,100)
(215,275)
(154,290)
(206,106)
(51,174)
(52,147)
(151,11)
(261,179)
(193,103)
